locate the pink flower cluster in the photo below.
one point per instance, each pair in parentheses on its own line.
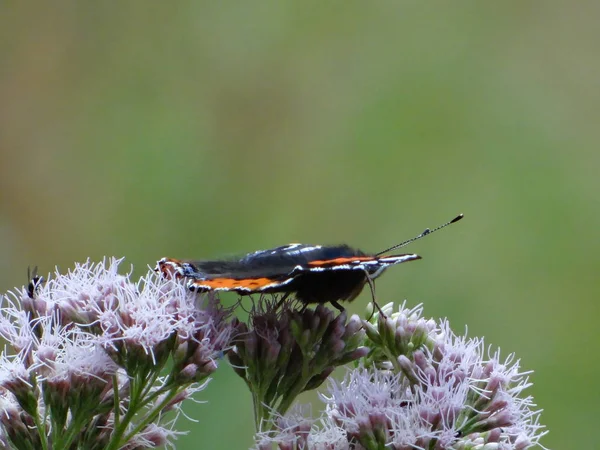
(436,390)
(95,358)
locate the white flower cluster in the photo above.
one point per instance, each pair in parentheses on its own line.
(446,392)
(85,356)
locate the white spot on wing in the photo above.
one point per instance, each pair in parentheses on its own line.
(290,249)
(296,249)
(277,284)
(398,259)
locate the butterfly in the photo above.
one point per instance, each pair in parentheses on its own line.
(313,273)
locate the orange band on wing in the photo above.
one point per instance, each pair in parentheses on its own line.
(250,284)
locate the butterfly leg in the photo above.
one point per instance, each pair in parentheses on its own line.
(282,299)
(372,287)
(339,307)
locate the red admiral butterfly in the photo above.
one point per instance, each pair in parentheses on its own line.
(315,273)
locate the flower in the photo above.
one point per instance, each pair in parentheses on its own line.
(437,390)
(88,351)
(284,352)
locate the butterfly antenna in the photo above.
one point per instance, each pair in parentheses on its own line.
(423,234)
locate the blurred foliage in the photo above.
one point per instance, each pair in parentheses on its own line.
(206,129)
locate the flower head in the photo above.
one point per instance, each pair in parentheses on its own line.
(88,350)
(284,352)
(436,390)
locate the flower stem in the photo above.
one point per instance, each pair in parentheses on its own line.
(41,428)
(116,401)
(152,414)
(136,388)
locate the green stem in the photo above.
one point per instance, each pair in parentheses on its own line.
(261,412)
(150,383)
(39,424)
(297,388)
(136,388)
(152,415)
(165,388)
(117,401)
(468,426)
(41,428)
(74,428)
(257,413)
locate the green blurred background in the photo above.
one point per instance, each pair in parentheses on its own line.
(204,129)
